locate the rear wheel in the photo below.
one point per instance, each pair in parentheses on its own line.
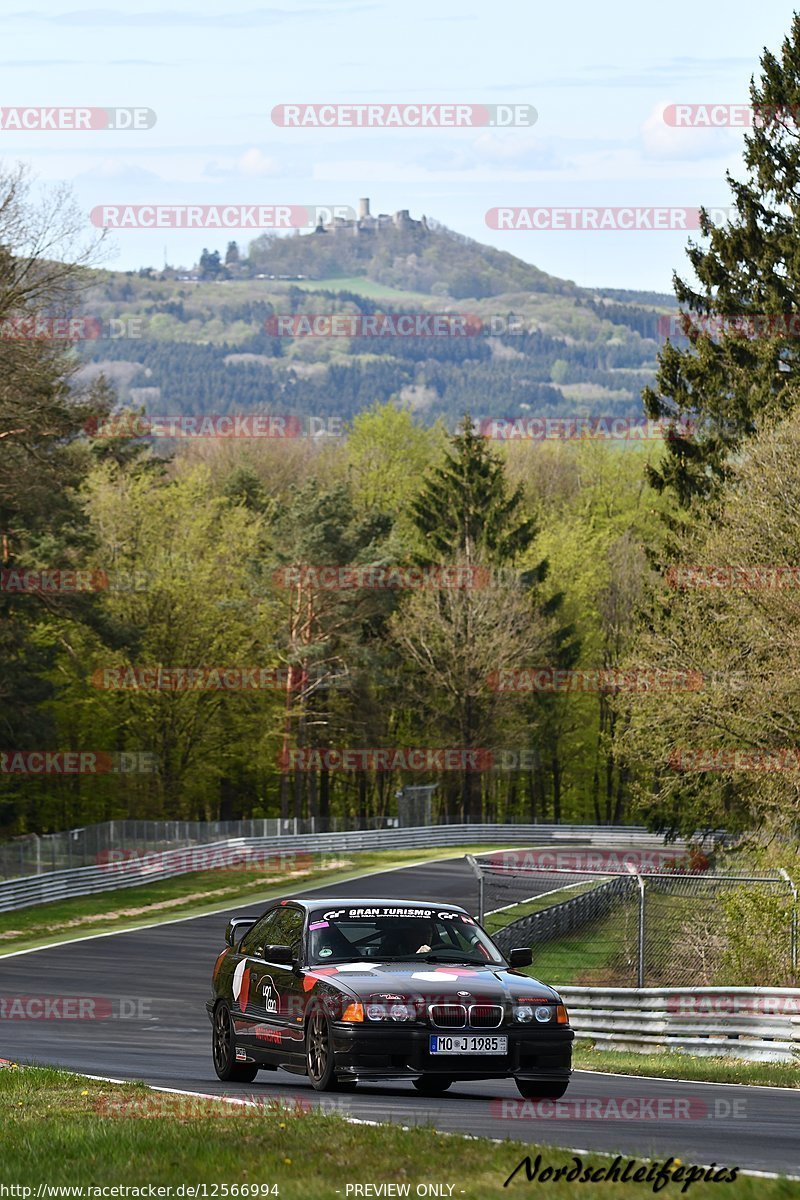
(223,1050)
(532,1089)
(431,1085)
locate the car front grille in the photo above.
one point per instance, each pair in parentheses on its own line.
(448,1016)
(485,1016)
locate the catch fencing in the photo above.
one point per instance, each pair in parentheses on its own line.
(128,866)
(86,846)
(631,927)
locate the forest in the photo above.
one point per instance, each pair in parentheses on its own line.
(581,629)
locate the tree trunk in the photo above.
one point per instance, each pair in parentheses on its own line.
(325,799)
(555,766)
(362,800)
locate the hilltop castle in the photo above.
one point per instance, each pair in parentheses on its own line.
(366,223)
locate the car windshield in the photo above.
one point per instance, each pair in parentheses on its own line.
(398,934)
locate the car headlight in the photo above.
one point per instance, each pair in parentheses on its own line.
(523,1013)
(391,1012)
(543,1013)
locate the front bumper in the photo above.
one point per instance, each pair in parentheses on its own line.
(398,1052)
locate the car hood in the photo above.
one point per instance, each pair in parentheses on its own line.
(437,981)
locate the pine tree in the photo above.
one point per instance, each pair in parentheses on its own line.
(468,516)
(465,510)
(731,380)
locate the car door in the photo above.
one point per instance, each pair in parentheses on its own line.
(277,997)
(246,1008)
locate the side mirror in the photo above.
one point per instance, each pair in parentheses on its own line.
(279,954)
(237,927)
(520,956)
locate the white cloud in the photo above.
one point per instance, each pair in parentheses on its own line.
(661,141)
(115,170)
(253,164)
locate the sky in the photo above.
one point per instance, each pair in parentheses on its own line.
(599,77)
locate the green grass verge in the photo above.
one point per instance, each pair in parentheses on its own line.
(591,957)
(62,1129)
(192,895)
(594,954)
(498,920)
(671,1065)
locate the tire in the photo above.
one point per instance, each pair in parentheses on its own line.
(319,1051)
(532,1089)
(223,1049)
(431,1085)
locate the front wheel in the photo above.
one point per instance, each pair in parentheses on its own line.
(223,1050)
(531,1089)
(319,1052)
(431,1085)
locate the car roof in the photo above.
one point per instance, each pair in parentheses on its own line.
(370,902)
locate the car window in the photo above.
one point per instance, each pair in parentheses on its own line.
(287,930)
(395,932)
(259,935)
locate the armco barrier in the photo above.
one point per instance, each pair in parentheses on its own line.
(560,919)
(82,881)
(759,1024)
(33,854)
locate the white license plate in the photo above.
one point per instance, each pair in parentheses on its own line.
(461,1043)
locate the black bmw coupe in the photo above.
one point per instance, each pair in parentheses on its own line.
(350,990)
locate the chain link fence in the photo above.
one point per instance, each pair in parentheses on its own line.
(630,927)
(93,844)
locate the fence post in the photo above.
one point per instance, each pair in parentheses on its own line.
(640,964)
(793,924)
(479,873)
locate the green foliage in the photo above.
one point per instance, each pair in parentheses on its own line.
(750,268)
(727,611)
(413,259)
(756,935)
(465,510)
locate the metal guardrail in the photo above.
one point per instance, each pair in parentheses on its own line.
(163,864)
(758,1023)
(33,854)
(563,918)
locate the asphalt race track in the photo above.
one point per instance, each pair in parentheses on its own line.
(153,1026)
